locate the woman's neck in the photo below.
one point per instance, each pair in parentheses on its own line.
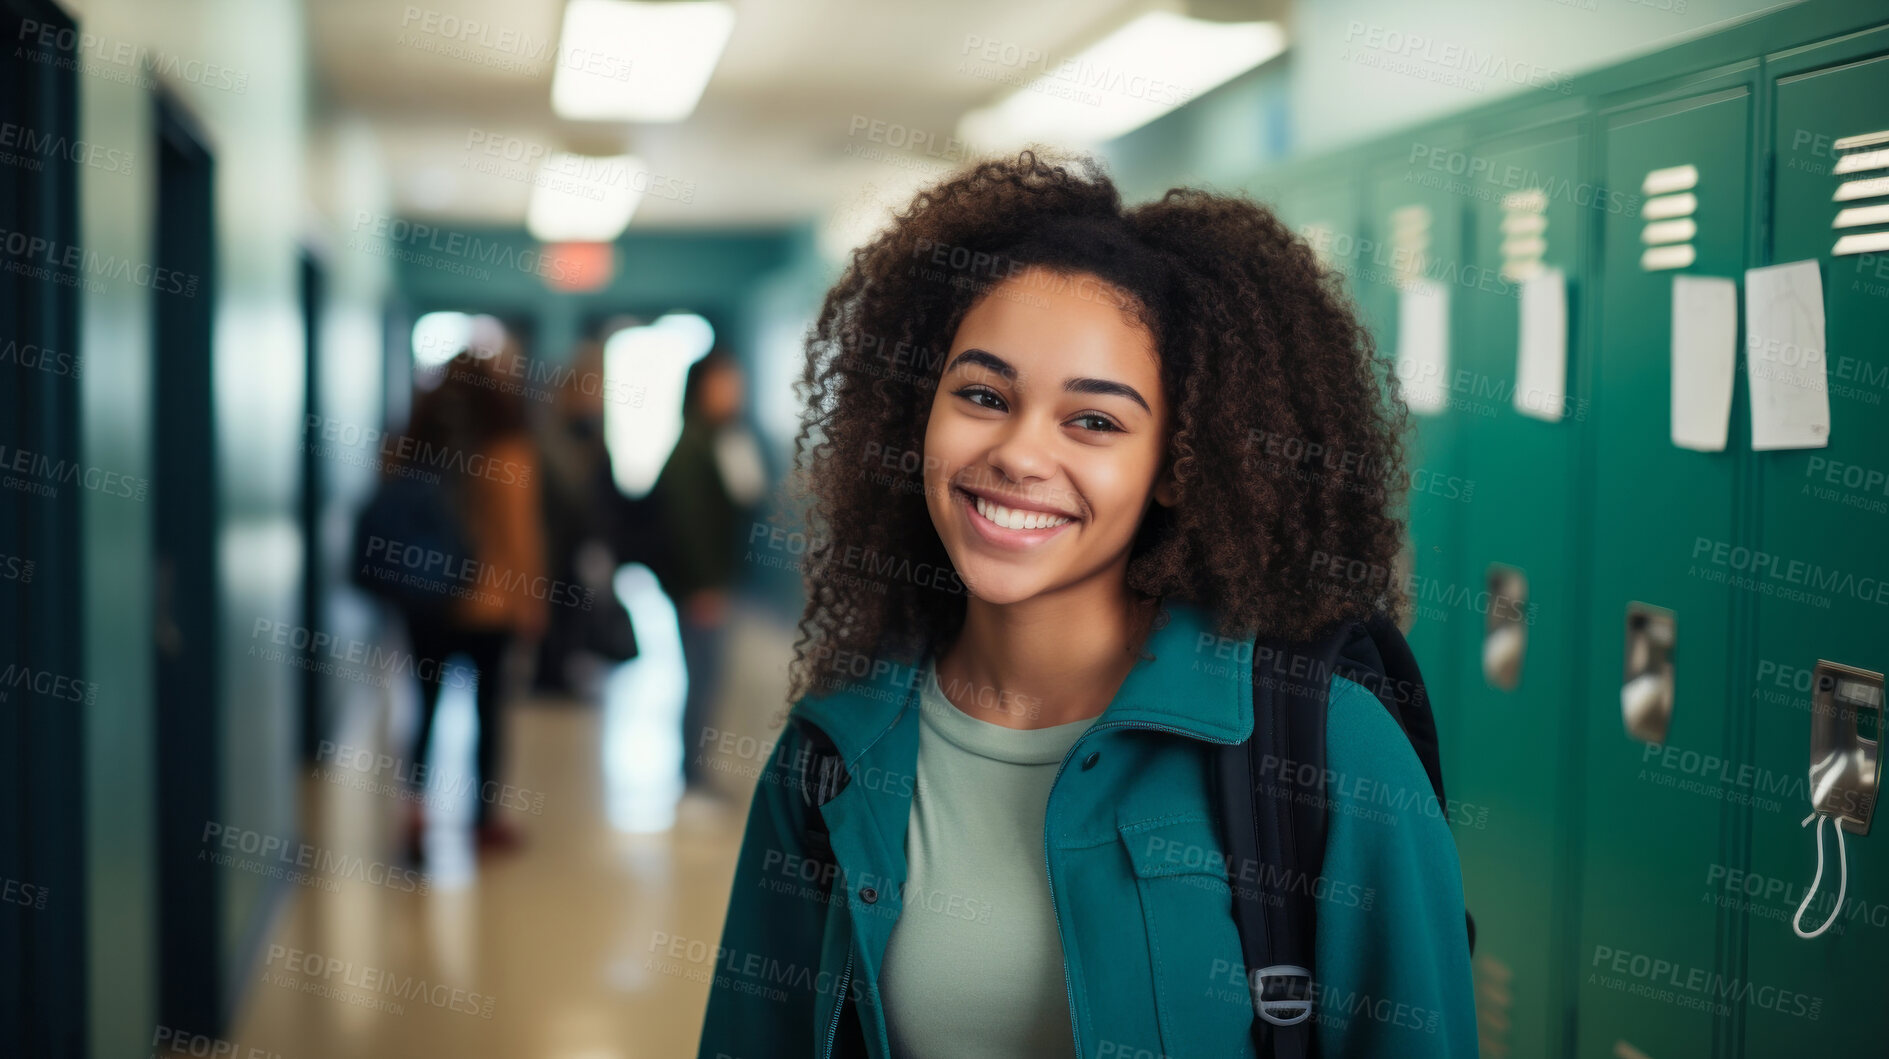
(1045,661)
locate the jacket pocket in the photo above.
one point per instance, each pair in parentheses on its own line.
(1200,995)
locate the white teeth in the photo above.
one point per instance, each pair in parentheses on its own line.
(1010,518)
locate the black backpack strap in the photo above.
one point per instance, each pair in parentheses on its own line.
(1379,658)
(1394,678)
(818,774)
(1271,791)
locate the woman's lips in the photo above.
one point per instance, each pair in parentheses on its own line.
(1003,536)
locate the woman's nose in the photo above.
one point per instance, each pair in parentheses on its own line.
(1024,450)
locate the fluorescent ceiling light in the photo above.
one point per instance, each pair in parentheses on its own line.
(583,199)
(1131,77)
(624,61)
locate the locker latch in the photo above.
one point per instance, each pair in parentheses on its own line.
(1504,628)
(1646,689)
(1845,743)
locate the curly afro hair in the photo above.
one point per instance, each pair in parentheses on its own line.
(1286,438)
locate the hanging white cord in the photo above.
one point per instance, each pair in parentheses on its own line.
(1843,879)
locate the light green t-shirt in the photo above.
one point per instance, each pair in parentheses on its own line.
(974,967)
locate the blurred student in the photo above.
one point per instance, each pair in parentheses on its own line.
(581,510)
(471,435)
(706,494)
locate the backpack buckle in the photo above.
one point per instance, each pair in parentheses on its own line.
(1282,993)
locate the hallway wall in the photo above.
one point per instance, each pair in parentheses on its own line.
(239,69)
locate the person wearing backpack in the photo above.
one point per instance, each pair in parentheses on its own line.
(1103,742)
(454,540)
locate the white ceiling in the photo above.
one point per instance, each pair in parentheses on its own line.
(767,145)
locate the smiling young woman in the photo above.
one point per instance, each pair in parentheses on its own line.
(1073,408)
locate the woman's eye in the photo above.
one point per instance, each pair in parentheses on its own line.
(1101,423)
(974,393)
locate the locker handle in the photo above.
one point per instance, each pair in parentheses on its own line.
(1504,627)
(1647,687)
(1845,747)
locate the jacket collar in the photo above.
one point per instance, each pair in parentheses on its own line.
(1197,684)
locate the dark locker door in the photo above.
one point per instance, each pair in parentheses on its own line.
(1655,808)
(1824,522)
(1512,784)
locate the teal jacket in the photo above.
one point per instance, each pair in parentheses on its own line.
(1137,874)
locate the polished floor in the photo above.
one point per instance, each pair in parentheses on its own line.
(557,949)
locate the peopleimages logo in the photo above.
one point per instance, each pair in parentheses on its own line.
(42,475)
(1777,575)
(324,974)
(281,858)
(46,43)
(500,47)
(468,571)
(169,1040)
(1698,988)
(429,246)
(74,265)
(47,684)
(37,145)
(1415,48)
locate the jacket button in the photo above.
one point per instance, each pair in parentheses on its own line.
(868,895)
(1089,762)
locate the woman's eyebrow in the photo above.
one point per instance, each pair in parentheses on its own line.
(1100,387)
(989,360)
(1106,387)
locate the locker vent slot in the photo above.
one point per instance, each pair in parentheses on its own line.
(1410,243)
(1493,1000)
(1679,231)
(1524,234)
(1862,161)
(1667,181)
(1857,143)
(1668,211)
(1874,187)
(1861,244)
(1858,216)
(1866,154)
(1678,255)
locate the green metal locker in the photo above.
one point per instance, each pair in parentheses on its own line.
(1819,591)
(1655,804)
(1429,241)
(1627,802)
(1512,587)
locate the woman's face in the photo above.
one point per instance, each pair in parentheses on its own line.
(1049,405)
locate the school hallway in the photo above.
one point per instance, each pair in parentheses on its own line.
(556,949)
(323,317)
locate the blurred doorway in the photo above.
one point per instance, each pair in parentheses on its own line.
(42,750)
(315,490)
(191,985)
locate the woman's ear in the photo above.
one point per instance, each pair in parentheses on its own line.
(1167,491)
